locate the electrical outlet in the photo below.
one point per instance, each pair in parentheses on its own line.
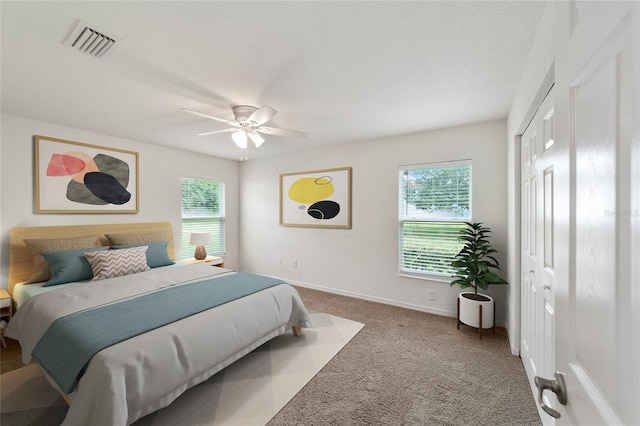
(294,264)
(432,294)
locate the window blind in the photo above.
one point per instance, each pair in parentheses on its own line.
(435,201)
(440,192)
(429,246)
(202,211)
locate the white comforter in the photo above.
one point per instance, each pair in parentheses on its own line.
(140,375)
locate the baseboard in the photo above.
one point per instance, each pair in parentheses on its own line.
(441,312)
(369,298)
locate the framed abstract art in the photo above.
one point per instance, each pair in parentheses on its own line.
(75,177)
(317,198)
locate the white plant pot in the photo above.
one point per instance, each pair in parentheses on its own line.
(470,310)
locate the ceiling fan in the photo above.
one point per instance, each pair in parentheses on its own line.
(248,124)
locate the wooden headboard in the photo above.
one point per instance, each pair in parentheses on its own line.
(21,258)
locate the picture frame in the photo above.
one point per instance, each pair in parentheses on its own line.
(316,198)
(76,177)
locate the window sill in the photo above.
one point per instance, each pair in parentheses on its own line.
(426,277)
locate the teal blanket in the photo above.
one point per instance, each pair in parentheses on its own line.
(71,341)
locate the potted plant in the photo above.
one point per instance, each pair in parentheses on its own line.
(473,266)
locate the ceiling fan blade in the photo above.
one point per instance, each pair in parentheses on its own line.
(211,117)
(262,115)
(211,132)
(282,132)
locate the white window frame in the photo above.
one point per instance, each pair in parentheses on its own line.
(214,223)
(407,216)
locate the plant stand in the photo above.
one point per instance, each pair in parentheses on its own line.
(479,319)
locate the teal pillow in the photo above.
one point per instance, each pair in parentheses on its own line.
(157,254)
(69,266)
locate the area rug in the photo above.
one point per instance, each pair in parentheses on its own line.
(249,392)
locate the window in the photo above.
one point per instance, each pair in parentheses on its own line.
(202,211)
(435,201)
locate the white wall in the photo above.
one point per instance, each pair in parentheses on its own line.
(159,183)
(363,261)
(534,83)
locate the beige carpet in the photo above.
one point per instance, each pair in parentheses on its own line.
(249,392)
(412,368)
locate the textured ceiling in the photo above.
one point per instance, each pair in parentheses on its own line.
(340,71)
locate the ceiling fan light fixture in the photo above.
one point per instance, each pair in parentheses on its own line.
(240,138)
(248,124)
(256,138)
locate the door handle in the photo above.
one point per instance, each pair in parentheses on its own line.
(555,385)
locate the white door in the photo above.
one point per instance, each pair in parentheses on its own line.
(597,211)
(537,247)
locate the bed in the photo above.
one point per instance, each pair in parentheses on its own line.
(143,371)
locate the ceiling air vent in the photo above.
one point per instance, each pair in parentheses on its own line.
(90,40)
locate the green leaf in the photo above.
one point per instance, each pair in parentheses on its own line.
(474,262)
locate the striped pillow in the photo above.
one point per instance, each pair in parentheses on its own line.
(116,263)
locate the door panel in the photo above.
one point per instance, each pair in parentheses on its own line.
(533,215)
(595,240)
(548,357)
(548,219)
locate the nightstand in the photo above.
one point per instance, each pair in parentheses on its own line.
(6,312)
(6,305)
(212,260)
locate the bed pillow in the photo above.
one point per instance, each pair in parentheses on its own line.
(116,263)
(69,266)
(157,254)
(41,270)
(146,237)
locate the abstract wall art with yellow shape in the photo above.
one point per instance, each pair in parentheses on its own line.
(318,198)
